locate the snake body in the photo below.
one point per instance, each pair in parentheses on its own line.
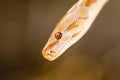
(72,27)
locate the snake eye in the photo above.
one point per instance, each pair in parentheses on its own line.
(58,35)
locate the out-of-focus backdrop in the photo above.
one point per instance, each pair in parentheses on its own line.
(25,26)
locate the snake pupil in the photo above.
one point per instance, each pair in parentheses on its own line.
(58,35)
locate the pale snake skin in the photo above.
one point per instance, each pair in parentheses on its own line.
(72,27)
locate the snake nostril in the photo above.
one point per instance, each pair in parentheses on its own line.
(51,53)
(58,35)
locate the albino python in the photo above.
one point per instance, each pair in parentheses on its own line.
(72,27)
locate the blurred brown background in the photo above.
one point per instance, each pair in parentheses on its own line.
(25,26)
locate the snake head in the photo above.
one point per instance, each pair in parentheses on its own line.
(60,40)
(66,32)
(72,27)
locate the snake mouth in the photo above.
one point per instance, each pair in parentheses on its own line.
(52,55)
(54,51)
(49,54)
